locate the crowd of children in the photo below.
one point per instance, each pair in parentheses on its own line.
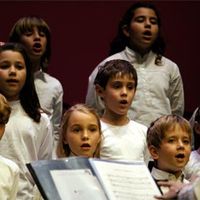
(133,111)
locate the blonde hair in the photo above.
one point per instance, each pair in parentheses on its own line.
(157,130)
(63,150)
(5,110)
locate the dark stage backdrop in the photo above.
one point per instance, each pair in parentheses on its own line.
(82,31)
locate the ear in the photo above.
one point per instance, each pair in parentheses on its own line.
(154,152)
(125,30)
(99,91)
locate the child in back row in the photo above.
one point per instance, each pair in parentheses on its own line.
(122,138)
(34,33)
(28,134)
(9,173)
(169,143)
(80,133)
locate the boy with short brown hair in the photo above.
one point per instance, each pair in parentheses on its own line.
(169,143)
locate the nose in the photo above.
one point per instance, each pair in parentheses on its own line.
(147,23)
(180,144)
(12,70)
(85,135)
(36,34)
(124,91)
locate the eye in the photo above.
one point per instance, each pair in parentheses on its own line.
(76,129)
(4,66)
(171,140)
(130,86)
(93,129)
(154,20)
(116,85)
(139,19)
(28,33)
(186,141)
(42,33)
(19,66)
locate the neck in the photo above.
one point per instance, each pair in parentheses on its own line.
(140,51)
(115,119)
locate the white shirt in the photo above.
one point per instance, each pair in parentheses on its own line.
(127,142)
(9,179)
(160,175)
(159,90)
(24,141)
(50,94)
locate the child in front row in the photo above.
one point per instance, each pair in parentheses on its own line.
(193,166)
(80,133)
(28,134)
(169,143)
(122,138)
(9,171)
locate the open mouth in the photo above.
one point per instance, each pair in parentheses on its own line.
(180,156)
(37,47)
(85,145)
(123,102)
(147,33)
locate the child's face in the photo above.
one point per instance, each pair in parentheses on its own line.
(118,94)
(83,134)
(2,129)
(35,42)
(12,74)
(143,29)
(174,151)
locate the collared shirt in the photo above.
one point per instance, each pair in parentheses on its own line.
(159,90)
(50,94)
(160,175)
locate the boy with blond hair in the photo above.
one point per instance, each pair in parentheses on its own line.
(9,173)
(169,143)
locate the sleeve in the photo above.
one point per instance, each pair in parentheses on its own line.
(176,93)
(15,184)
(57,112)
(91,98)
(45,149)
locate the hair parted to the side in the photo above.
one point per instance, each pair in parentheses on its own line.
(121,41)
(26,24)
(113,67)
(63,150)
(28,96)
(5,110)
(158,128)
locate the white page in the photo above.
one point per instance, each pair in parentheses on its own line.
(77,185)
(123,181)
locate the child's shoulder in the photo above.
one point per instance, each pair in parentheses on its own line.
(138,125)
(8,164)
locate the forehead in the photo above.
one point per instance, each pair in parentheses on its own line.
(178,131)
(9,55)
(79,117)
(148,12)
(122,76)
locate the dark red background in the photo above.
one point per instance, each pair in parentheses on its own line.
(82,31)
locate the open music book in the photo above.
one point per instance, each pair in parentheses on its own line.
(81,178)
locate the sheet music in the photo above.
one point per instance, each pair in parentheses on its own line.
(77,185)
(126,181)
